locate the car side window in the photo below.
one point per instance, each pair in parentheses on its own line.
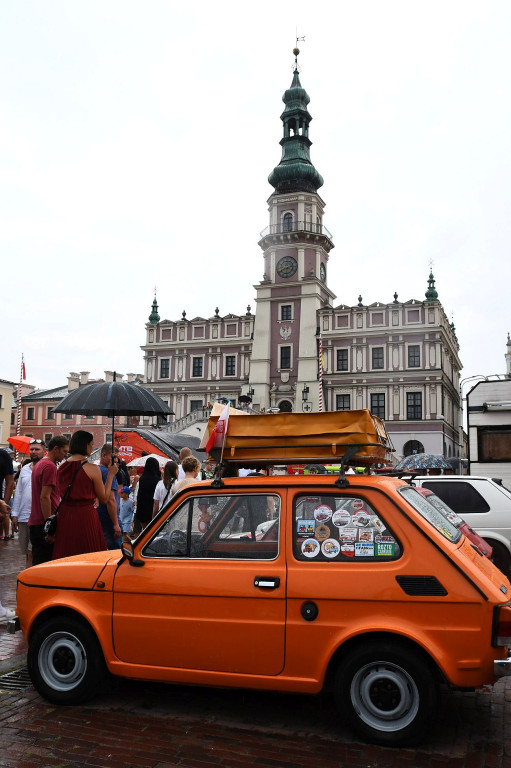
(341,529)
(234,527)
(459,496)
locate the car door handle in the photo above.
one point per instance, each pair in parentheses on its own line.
(267,582)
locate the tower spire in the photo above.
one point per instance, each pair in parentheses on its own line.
(295,172)
(431,294)
(154,317)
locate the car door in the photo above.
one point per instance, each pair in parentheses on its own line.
(209,592)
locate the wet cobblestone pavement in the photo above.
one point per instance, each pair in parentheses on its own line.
(161,726)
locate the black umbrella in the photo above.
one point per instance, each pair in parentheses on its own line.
(113,398)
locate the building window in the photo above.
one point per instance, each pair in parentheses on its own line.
(68,416)
(47,437)
(197,366)
(164,369)
(285,312)
(196,405)
(285,357)
(1,401)
(494,443)
(343,402)
(342,360)
(67,435)
(378,405)
(230,365)
(50,416)
(411,447)
(12,419)
(288,222)
(377,357)
(30,414)
(414,405)
(414,356)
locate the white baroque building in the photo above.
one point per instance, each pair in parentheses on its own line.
(399,359)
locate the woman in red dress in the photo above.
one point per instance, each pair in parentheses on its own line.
(78,526)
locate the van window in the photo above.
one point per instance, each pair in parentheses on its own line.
(437,519)
(459,496)
(340,529)
(234,527)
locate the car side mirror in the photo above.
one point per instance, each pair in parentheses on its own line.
(128,553)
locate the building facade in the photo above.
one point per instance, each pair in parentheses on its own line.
(301,351)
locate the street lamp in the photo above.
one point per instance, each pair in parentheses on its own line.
(250,392)
(306,406)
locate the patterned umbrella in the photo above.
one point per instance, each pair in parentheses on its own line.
(420,461)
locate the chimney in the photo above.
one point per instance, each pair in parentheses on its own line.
(73,381)
(84,377)
(109,376)
(131,377)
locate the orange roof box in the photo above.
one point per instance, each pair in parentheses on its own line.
(303,437)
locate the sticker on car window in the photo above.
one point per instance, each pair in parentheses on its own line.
(310,547)
(343,527)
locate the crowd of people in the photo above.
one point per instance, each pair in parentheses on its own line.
(95,505)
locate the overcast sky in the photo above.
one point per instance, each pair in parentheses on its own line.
(136,139)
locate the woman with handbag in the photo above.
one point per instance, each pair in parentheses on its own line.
(80,484)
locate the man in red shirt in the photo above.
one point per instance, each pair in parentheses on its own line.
(45,497)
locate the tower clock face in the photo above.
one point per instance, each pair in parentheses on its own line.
(287,266)
(322,272)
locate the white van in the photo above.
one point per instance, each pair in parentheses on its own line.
(483,504)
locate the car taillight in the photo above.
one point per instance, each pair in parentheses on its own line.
(501,632)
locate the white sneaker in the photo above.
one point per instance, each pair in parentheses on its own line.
(9,614)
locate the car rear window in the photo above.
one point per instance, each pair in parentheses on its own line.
(335,528)
(437,519)
(459,496)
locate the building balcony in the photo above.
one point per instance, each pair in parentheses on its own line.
(296,231)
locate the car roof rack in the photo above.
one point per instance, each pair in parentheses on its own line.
(303,438)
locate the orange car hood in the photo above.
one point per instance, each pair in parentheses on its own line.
(77,572)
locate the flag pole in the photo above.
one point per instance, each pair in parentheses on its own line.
(18,400)
(320,378)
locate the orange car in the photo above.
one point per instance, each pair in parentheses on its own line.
(359,584)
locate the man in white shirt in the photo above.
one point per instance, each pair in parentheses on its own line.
(22,504)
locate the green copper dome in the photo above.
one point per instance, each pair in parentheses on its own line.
(295,172)
(431,294)
(154,317)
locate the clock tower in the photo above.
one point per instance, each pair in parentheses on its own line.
(284,366)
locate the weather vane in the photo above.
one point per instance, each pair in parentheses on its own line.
(296,51)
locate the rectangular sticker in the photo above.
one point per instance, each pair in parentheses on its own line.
(363,549)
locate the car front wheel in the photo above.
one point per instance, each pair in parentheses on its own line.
(65,660)
(388,692)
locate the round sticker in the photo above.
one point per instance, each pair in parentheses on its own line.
(322,532)
(322,513)
(362,519)
(357,504)
(341,518)
(330,548)
(310,547)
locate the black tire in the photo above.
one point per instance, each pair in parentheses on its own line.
(500,556)
(65,660)
(388,693)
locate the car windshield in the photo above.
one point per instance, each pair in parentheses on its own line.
(430,513)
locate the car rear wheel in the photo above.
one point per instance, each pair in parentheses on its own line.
(388,693)
(65,660)
(500,556)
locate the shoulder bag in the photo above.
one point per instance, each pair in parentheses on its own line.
(50,526)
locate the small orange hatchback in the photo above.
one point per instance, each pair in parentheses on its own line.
(282,583)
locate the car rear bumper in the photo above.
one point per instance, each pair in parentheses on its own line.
(13,625)
(502,667)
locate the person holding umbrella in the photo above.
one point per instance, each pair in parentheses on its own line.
(79,484)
